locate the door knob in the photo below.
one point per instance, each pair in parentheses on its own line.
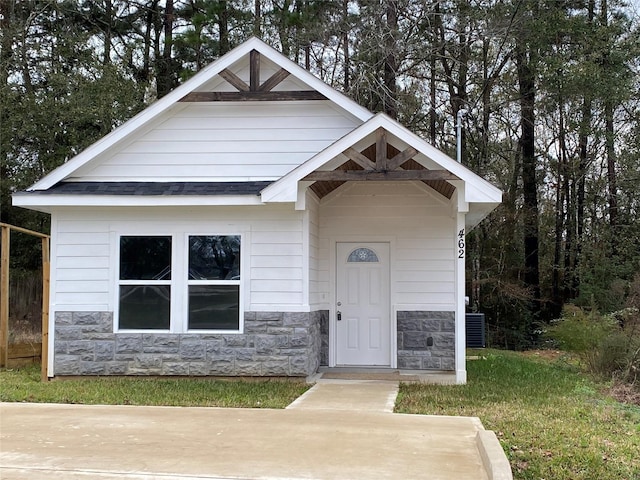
(339,315)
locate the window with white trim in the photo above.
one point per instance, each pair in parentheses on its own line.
(145,283)
(198,290)
(214,282)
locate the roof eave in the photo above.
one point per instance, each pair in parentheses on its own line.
(285,189)
(203,76)
(46,203)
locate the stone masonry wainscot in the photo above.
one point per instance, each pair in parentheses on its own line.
(273,344)
(415,349)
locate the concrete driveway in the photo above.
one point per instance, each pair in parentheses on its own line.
(326,434)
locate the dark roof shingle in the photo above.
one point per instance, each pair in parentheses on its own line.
(154,188)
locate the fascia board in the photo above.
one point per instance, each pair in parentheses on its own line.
(477,183)
(285,189)
(202,77)
(477,189)
(142,118)
(36,201)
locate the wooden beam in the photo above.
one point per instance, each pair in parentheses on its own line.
(252,96)
(273,80)
(254,70)
(234,80)
(364,175)
(401,157)
(46,269)
(4,296)
(24,230)
(359,158)
(381,150)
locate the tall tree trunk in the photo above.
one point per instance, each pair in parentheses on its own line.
(257,19)
(165,77)
(391,60)
(609,143)
(345,45)
(6,41)
(107,31)
(568,193)
(583,154)
(526,84)
(223,26)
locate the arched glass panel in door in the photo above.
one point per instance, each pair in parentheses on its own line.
(362,254)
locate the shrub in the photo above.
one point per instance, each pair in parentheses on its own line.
(608,345)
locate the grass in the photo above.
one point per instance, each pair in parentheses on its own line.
(24,385)
(552,421)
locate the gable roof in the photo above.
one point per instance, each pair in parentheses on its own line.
(480,196)
(199,80)
(285,189)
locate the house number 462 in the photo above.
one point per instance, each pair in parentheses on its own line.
(461,243)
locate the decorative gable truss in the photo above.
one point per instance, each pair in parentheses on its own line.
(254,91)
(383,150)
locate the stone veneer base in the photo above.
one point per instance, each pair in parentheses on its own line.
(415,350)
(273,344)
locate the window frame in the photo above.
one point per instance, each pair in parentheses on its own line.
(189,282)
(179,282)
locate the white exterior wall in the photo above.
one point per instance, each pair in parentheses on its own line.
(223,141)
(415,221)
(85,251)
(317,292)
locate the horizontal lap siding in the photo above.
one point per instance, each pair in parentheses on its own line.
(277,262)
(421,229)
(225,141)
(85,271)
(82,258)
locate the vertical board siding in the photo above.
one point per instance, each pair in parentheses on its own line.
(224,141)
(87,250)
(418,221)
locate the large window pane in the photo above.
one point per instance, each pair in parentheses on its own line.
(145,307)
(214,307)
(214,257)
(145,258)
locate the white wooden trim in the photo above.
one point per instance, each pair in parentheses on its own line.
(184,300)
(281,191)
(197,81)
(53,308)
(306,254)
(333,271)
(179,282)
(48,201)
(460,311)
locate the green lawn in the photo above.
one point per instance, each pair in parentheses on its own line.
(24,385)
(552,421)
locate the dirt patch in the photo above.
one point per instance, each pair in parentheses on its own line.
(545,354)
(625,393)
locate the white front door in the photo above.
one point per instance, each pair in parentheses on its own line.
(362,304)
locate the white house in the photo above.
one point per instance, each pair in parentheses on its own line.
(257,222)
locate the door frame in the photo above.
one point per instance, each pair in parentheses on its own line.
(333,272)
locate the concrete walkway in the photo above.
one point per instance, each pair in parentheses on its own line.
(337,430)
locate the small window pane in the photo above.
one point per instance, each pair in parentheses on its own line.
(214,257)
(145,307)
(214,307)
(145,258)
(362,255)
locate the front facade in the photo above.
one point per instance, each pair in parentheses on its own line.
(256,222)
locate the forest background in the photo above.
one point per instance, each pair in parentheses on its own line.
(550,91)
